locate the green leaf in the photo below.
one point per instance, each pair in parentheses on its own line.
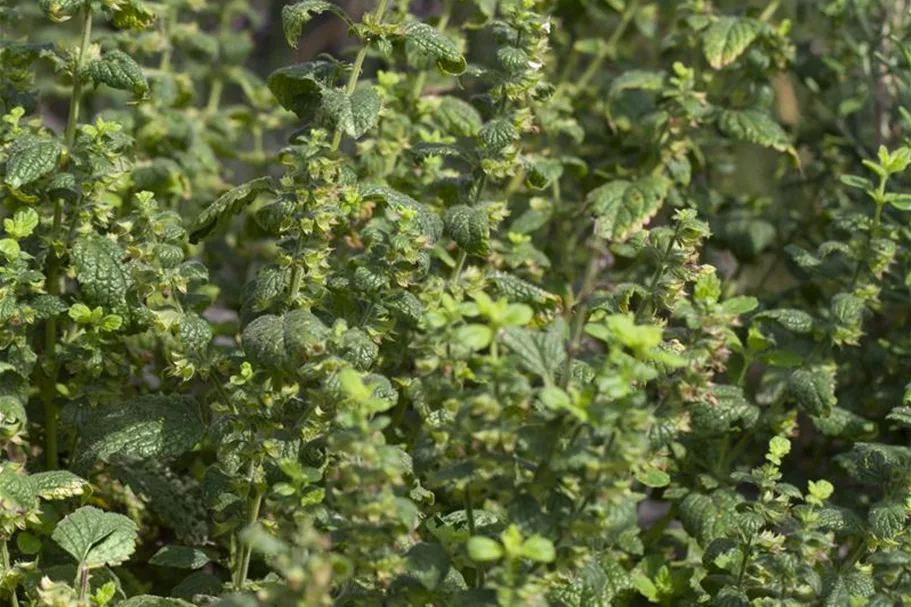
(756,127)
(229,203)
(149,426)
(458,117)
(812,389)
(354,115)
(30,158)
(483,549)
(22,224)
(538,352)
(516,289)
(17,494)
(887,519)
(284,342)
(102,275)
(299,88)
(431,224)
(57,484)
(95,538)
(539,549)
(726,39)
(469,227)
(795,321)
(653,477)
(194,332)
(741,304)
(474,337)
(428,564)
(623,207)
(425,40)
(120,71)
(497,134)
(296,16)
(179,557)
(640,80)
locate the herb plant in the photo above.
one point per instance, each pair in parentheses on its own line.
(512,303)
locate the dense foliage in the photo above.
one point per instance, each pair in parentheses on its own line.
(558,303)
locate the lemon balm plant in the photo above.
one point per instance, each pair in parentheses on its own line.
(547,303)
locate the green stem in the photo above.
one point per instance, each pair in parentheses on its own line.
(73,118)
(441,27)
(460,263)
(744,562)
(215,96)
(297,273)
(356,70)
(610,48)
(256,500)
(7,566)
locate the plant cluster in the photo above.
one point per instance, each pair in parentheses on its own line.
(548,303)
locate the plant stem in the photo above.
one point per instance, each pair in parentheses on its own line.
(610,47)
(460,263)
(421,78)
(7,566)
(256,500)
(356,70)
(73,118)
(214,96)
(83,584)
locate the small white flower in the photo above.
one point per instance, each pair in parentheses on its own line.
(535,65)
(546,26)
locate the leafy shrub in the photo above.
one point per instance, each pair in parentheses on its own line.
(536,303)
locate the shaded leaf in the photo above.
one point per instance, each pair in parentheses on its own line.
(227,204)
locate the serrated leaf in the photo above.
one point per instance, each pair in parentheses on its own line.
(119,71)
(887,519)
(541,353)
(427,41)
(296,16)
(497,134)
(812,389)
(284,342)
(30,158)
(756,127)
(516,289)
(299,88)
(726,39)
(17,494)
(431,224)
(95,538)
(179,557)
(795,321)
(458,117)
(469,227)
(624,207)
(149,426)
(229,203)
(727,408)
(177,501)
(428,564)
(353,114)
(194,332)
(103,278)
(57,484)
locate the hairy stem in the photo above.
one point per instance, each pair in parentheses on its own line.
(253,508)
(356,71)
(75,98)
(7,566)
